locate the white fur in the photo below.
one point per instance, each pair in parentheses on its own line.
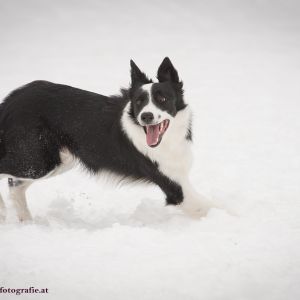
(68,161)
(173,155)
(2,210)
(18,198)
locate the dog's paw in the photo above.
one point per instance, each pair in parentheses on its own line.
(196,208)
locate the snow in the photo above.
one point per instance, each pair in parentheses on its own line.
(240,64)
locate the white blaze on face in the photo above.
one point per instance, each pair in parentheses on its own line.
(150,106)
(161,119)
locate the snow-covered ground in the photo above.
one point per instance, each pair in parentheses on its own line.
(240,62)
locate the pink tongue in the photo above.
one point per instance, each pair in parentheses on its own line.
(152,135)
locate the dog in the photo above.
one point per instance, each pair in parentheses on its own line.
(143,134)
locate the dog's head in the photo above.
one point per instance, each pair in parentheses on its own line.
(155,105)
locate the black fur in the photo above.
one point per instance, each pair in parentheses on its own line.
(40,119)
(137,76)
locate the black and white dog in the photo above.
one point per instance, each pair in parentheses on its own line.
(145,135)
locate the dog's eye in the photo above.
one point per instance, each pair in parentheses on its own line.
(139,101)
(161,98)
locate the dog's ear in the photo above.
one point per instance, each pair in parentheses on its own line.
(137,76)
(167,72)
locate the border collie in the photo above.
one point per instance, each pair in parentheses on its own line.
(144,134)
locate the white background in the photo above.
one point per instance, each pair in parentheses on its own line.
(240,64)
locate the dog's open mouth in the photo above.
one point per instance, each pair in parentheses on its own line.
(154,133)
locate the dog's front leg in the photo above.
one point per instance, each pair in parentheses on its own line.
(182,194)
(193,204)
(185,197)
(172,190)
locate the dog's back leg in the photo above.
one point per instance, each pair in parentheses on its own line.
(2,210)
(17,194)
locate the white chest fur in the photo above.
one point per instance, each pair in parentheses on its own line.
(173,155)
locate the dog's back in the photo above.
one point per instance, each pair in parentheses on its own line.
(41,118)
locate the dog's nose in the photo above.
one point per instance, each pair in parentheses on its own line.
(147,117)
